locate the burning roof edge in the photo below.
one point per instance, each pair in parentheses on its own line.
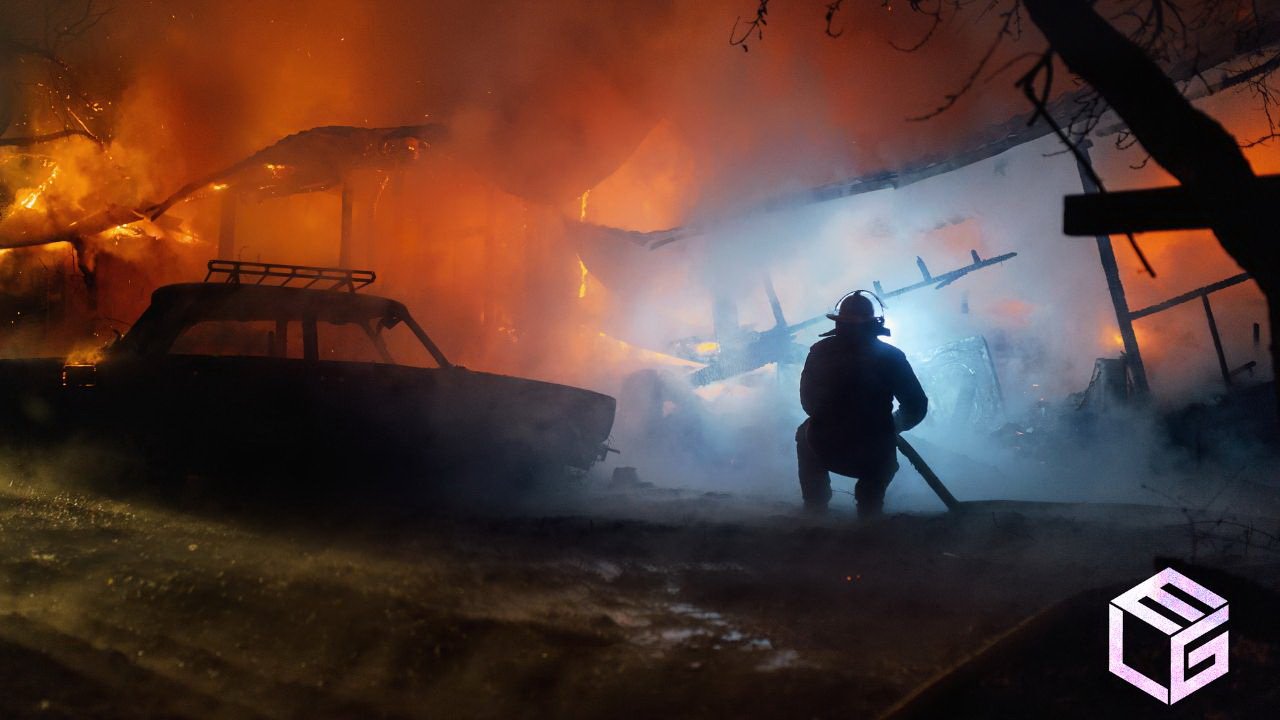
(1013,132)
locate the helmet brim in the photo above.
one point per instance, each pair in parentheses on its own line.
(851,319)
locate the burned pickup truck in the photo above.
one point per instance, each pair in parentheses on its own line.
(287,369)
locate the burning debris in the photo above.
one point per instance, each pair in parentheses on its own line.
(313,160)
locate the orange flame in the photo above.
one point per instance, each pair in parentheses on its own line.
(29,202)
(582,286)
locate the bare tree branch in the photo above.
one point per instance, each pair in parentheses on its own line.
(832,9)
(63,23)
(935,14)
(1039,99)
(29,140)
(1010,28)
(755,27)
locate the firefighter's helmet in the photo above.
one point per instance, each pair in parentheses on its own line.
(855,308)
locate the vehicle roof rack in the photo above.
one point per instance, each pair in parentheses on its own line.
(304,276)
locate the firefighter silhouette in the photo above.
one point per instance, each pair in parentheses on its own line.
(850,380)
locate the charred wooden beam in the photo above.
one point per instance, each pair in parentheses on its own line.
(1217,340)
(1203,293)
(1189,296)
(344,241)
(1171,208)
(1111,271)
(227,225)
(940,281)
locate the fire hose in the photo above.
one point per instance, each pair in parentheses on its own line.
(927,473)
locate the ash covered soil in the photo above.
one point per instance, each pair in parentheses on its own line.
(600,601)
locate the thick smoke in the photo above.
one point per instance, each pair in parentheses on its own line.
(544,102)
(1046,315)
(637,116)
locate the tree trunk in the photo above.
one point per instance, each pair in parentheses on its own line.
(1192,146)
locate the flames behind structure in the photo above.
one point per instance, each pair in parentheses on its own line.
(495,219)
(608,196)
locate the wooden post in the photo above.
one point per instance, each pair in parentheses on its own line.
(1217,341)
(227,226)
(344,244)
(491,253)
(1132,353)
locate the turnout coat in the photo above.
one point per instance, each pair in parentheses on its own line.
(847,389)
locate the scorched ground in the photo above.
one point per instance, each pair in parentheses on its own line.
(604,601)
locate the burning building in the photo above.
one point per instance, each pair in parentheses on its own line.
(610,196)
(195,140)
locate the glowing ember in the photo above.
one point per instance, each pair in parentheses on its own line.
(85,356)
(582,285)
(81,368)
(582,213)
(30,201)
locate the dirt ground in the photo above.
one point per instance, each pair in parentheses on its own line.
(602,601)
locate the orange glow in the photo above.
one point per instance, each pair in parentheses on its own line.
(1112,341)
(475,235)
(85,355)
(652,189)
(644,355)
(29,202)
